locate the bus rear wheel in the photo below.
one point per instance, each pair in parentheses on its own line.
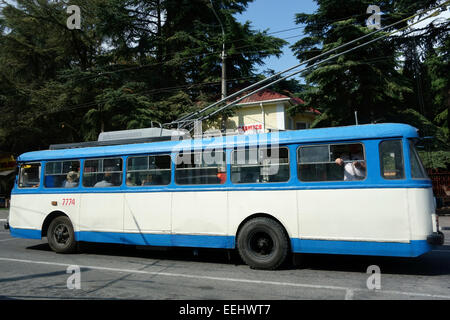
(60,235)
(263,244)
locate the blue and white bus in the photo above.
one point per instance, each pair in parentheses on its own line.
(143,194)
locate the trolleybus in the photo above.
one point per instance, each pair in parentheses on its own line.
(357,190)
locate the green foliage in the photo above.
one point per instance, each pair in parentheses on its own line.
(435,159)
(402,78)
(134,63)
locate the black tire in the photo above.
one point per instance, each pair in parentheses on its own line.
(60,235)
(263,244)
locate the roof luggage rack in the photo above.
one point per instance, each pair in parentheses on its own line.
(114,138)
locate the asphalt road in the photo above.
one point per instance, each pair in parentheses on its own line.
(30,270)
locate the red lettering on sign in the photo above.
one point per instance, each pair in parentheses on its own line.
(68,202)
(251,127)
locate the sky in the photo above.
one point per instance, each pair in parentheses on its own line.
(278,15)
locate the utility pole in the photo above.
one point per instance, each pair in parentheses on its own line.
(224,57)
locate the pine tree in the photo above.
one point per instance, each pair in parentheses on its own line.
(402,78)
(133,63)
(366,80)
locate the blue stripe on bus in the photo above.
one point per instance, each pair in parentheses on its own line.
(177,240)
(25,233)
(414,248)
(424,184)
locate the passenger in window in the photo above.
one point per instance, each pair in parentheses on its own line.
(130,180)
(106,182)
(222,175)
(148,181)
(71,180)
(353,163)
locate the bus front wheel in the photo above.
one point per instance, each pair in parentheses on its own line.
(263,244)
(60,235)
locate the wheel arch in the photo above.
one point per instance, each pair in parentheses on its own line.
(49,220)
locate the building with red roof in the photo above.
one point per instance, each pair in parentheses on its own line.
(267,111)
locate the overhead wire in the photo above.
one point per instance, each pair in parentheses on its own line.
(214,52)
(187,120)
(189,117)
(168,89)
(89,104)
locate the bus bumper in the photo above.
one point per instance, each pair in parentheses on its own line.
(436,239)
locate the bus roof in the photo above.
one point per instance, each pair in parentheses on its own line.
(335,134)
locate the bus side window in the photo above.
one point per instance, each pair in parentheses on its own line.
(337,162)
(207,167)
(391,160)
(62,174)
(101,173)
(149,171)
(29,175)
(260,165)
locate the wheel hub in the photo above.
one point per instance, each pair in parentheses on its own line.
(61,234)
(261,244)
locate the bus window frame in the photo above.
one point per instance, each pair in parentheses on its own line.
(109,187)
(175,159)
(414,141)
(405,162)
(262,183)
(147,155)
(20,175)
(63,188)
(297,164)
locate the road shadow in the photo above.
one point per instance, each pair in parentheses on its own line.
(433,263)
(204,255)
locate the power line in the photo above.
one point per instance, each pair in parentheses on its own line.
(216,52)
(171,89)
(177,59)
(168,89)
(152,91)
(162,89)
(210,53)
(188,119)
(155,64)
